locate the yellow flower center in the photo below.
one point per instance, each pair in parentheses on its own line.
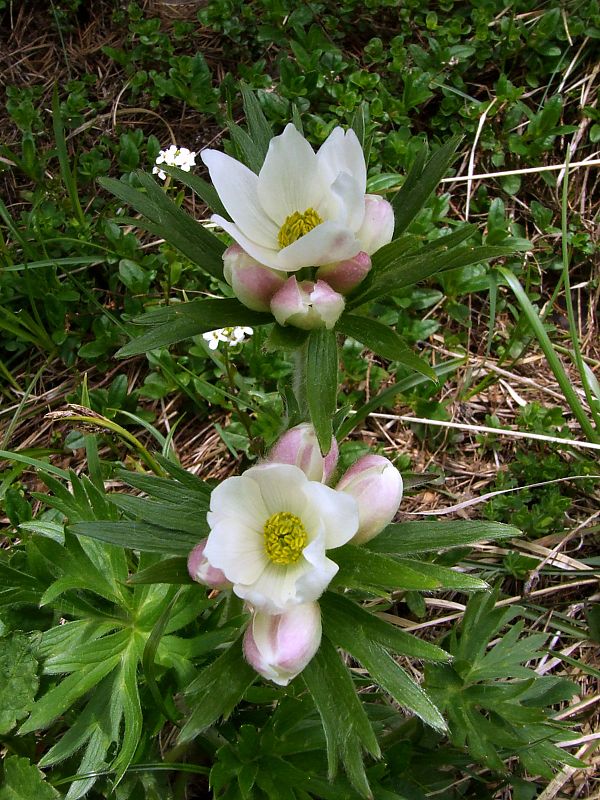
(297,225)
(285,537)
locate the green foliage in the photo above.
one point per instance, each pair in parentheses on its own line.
(23,780)
(18,679)
(495,704)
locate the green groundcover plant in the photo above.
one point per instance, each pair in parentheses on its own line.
(190,633)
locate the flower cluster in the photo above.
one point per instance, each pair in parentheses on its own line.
(303,211)
(231,336)
(174,157)
(270,530)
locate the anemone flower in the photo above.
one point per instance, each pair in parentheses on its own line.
(303,208)
(269,532)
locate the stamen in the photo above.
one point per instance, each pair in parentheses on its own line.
(285,537)
(297,225)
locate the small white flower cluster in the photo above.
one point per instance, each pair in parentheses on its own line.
(174,157)
(232,336)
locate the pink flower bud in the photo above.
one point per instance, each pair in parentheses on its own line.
(279,646)
(345,275)
(253,284)
(376,485)
(307,304)
(378,225)
(202,572)
(299,446)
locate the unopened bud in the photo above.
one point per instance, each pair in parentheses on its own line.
(345,275)
(299,446)
(307,305)
(202,572)
(378,224)
(279,646)
(253,284)
(376,485)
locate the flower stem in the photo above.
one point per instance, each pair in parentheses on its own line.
(242,415)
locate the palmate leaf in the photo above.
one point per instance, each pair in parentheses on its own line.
(24,781)
(496,705)
(18,679)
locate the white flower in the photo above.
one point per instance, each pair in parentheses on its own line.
(230,335)
(174,157)
(269,530)
(303,208)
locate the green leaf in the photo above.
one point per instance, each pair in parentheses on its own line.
(18,680)
(138,536)
(390,676)
(363,569)
(169,570)
(164,705)
(448,578)
(175,323)
(259,129)
(167,220)
(423,265)
(342,614)
(384,341)
(421,182)
(424,536)
(24,781)
(63,157)
(127,691)
(322,383)
(250,152)
(186,517)
(217,690)
(181,487)
(56,701)
(346,725)
(204,190)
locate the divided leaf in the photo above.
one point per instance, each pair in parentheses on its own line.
(24,781)
(18,680)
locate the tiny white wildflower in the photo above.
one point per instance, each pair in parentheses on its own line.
(232,336)
(174,157)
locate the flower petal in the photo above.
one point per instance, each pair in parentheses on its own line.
(238,498)
(264,255)
(339,518)
(289,178)
(236,550)
(280,486)
(349,201)
(237,187)
(325,244)
(341,152)
(313,581)
(275,590)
